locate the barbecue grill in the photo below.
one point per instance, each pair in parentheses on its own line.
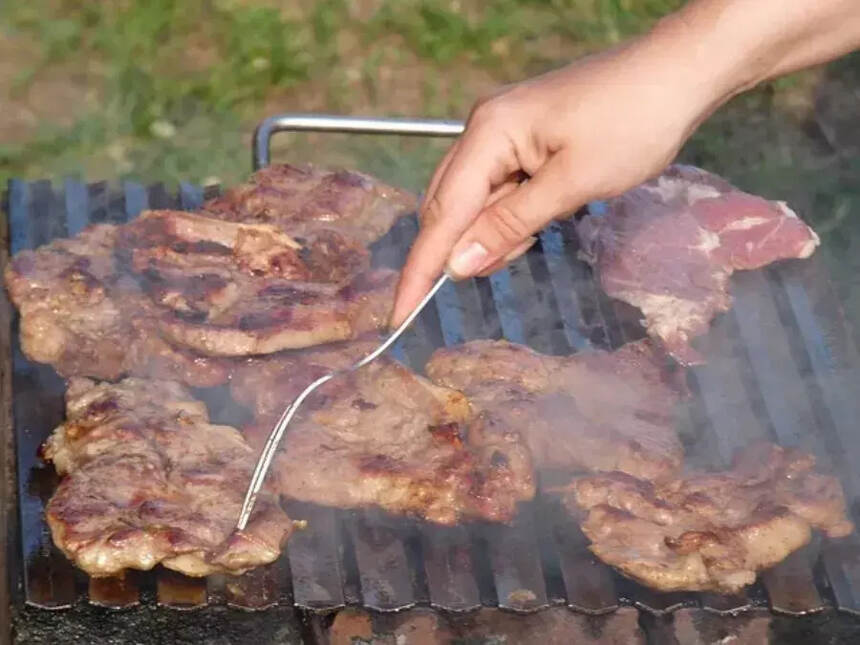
(780,366)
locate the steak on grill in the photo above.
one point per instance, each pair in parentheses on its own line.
(81,317)
(267,384)
(383,436)
(670,245)
(234,289)
(598,410)
(148,480)
(301,200)
(709,531)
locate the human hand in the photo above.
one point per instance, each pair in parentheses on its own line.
(588,131)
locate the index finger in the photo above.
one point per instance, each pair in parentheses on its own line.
(481,161)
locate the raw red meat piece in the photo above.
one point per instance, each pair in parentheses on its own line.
(669,246)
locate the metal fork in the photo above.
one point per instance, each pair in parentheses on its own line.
(274,439)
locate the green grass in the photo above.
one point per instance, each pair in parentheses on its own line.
(180,84)
(204,69)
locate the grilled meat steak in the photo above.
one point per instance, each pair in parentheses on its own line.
(710,531)
(148,480)
(278,316)
(80,316)
(267,384)
(384,436)
(281,262)
(234,289)
(301,200)
(599,410)
(670,245)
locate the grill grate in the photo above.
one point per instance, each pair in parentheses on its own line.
(781,366)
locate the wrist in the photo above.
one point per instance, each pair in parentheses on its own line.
(707,68)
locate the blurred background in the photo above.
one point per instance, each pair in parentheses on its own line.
(164,90)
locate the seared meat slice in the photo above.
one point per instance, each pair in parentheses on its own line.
(80,317)
(148,480)
(267,384)
(384,436)
(235,289)
(177,245)
(710,531)
(669,246)
(302,200)
(276,315)
(592,411)
(62,291)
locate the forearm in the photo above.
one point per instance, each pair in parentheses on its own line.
(728,46)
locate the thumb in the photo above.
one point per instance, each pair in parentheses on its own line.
(506,224)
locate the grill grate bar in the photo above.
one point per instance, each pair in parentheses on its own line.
(516,564)
(115,593)
(564,288)
(450,314)
(834,368)
(383,569)
(316,561)
(449,568)
(506,306)
(172,589)
(789,584)
(775,371)
(136,198)
(842,565)
(258,589)
(589,584)
(720,384)
(48,575)
(118,592)
(177,591)
(77,206)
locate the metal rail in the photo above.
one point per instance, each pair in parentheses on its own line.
(261,152)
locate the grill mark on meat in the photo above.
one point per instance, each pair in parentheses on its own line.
(200,246)
(378,464)
(257,321)
(289,295)
(363,404)
(709,531)
(448,433)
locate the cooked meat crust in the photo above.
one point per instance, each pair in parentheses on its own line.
(384,436)
(301,200)
(80,316)
(281,316)
(710,531)
(267,384)
(281,262)
(670,245)
(237,289)
(148,480)
(594,411)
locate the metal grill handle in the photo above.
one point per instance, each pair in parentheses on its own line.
(261,154)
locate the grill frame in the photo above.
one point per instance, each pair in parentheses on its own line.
(371,555)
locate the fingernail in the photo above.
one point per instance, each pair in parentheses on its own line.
(469,260)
